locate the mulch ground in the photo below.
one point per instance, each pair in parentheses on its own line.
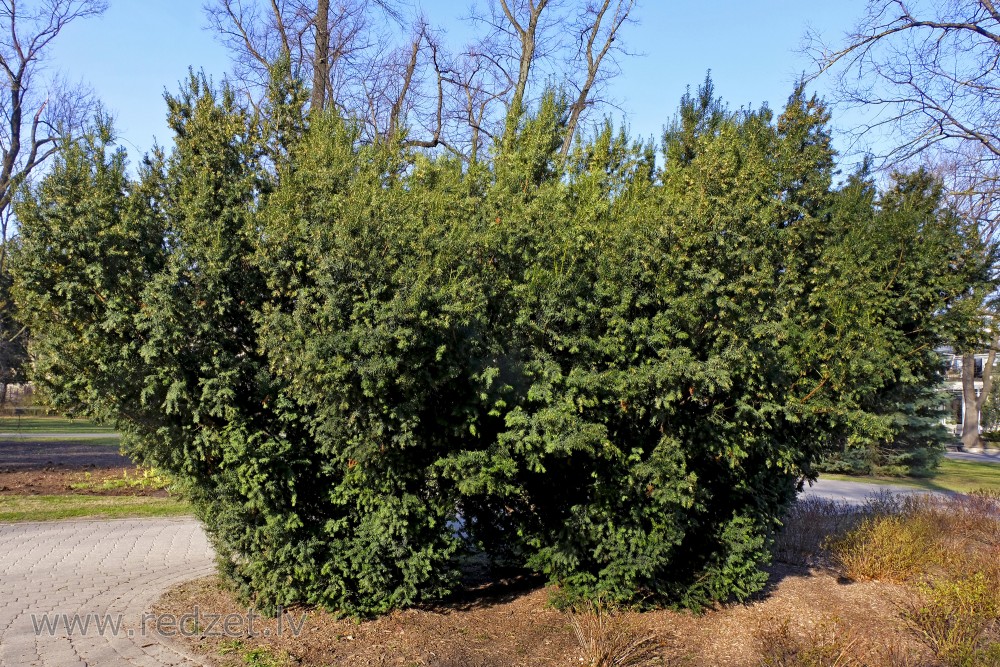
(519,629)
(53,467)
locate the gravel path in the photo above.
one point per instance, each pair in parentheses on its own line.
(61,581)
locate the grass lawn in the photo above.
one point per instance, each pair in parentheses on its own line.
(47,508)
(29,425)
(952,475)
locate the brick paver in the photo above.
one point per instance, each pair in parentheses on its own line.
(73,593)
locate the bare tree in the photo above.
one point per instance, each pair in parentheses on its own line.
(35,109)
(330,46)
(925,75)
(321,54)
(408,95)
(348,53)
(528,41)
(973,195)
(357,57)
(928,72)
(474,90)
(519,35)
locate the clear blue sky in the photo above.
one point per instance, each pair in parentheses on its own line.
(139,48)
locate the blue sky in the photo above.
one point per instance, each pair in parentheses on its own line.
(139,48)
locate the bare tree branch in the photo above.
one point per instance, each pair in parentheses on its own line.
(597,40)
(36,111)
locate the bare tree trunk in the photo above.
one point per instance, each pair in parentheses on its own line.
(970,403)
(321,58)
(984,395)
(526,35)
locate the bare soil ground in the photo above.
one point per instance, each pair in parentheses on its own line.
(802,607)
(53,467)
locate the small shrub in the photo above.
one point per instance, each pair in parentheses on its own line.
(808,526)
(262,657)
(894,548)
(957,620)
(230,646)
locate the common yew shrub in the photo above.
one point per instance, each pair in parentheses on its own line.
(369,364)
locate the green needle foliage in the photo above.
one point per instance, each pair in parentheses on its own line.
(370,364)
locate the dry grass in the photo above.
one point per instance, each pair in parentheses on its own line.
(608,639)
(831,644)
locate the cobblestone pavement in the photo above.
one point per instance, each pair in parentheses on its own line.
(73,593)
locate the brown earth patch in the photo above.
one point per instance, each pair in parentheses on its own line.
(59,467)
(518,629)
(61,481)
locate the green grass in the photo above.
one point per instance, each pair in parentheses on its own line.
(952,475)
(29,425)
(48,508)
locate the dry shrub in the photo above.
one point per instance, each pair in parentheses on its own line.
(970,524)
(957,619)
(898,539)
(611,639)
(808,525)
(949,546)
(888,548)
(831,644)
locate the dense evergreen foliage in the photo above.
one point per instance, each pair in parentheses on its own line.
(369,364)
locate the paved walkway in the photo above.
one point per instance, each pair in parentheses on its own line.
(61,581)
(853,493)
(55,435)
(991,456)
